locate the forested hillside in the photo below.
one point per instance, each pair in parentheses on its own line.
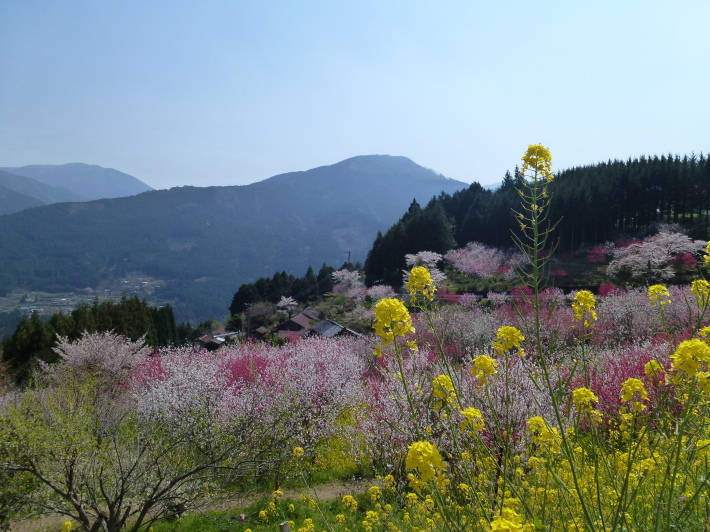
(596,203)
(206,242)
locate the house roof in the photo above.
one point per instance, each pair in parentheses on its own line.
(327,328)
(302,320)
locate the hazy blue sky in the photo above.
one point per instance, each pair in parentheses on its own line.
(231,92)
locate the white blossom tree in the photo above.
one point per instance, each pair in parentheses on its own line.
(650,260)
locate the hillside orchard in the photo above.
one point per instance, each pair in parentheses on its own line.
(530,409)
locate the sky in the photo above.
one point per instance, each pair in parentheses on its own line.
(222,93)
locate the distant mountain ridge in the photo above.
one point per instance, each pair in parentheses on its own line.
(207,241)
(83,182)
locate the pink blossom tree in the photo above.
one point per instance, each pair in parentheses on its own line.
(484,262)
(652,259)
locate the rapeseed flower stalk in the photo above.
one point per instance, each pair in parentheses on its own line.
(443,390)
(545,437)
(584,399)
(659,295)
(420,283)
(392,320)
(473,419)
(508,338)
(483,367)
(508,520)
(583,308)
(701,290)
(689,356)
(538,159)
(634,390)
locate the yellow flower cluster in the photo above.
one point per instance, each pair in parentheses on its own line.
(443,390)
(689,356)
(583,308)
(547,438)
(701,291)
(426,459)
(508,338)
(538,159)
(483,367)
(659,295)
(634,389)
(584,399)
(473,419)
(349,502)
(392,319)
(653,369)
(508,520)
(420,283)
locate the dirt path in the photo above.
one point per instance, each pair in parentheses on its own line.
(322,492)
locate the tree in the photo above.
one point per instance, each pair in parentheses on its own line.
(245,296)
(115,452)
(652,260)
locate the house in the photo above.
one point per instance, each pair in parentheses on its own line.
(330,329)
(298,325)
(260,333)
(208,342)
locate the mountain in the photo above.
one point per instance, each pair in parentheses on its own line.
(33,193)
(12,201)
(208,241)
(88,181)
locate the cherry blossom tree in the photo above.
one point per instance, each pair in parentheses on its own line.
(652,259)
(479,260)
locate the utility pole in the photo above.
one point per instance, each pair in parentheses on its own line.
(248,308)
(348,252)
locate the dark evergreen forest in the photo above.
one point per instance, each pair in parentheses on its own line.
(35,339)
(595,203)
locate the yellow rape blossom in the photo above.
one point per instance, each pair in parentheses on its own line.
(509,521)
(443,389)
(689,355)
(508,338)
(392,319)
(473,419)
(584,399)
(483,366)
(298,452)
(634,389)
(538,159)
(349,502)
(583,308)
(701,291)
(420,283)
(542,435)
(659,295)
(425,458)
(653,369)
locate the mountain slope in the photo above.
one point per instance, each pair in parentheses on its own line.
(42,192)
(208,241)
(12,201)
(87,180)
